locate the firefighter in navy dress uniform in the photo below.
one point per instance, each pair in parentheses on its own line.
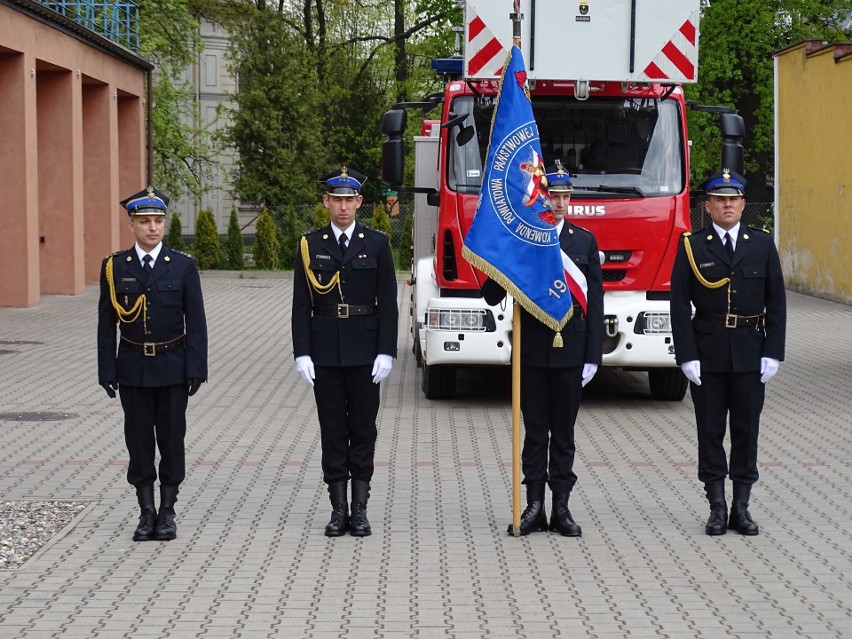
(344,340)
(733,345)
(552,378)
(153,295)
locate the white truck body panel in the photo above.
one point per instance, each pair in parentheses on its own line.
(572,40)
(474,348)
(634,350)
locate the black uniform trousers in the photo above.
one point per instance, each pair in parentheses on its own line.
(741,395)
(155,416)
(550,401)
(347,406)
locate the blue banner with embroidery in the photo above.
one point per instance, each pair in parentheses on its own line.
(513,238)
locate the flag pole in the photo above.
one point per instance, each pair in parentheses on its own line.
(516,420)
(516,16)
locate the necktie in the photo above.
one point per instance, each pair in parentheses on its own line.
(729,245)
(342,241)
(146,265)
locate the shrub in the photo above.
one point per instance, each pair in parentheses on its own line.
(321,217)
(206,240)
(266,243)
(290,231)
(175,236)
(406,250)
(234,245)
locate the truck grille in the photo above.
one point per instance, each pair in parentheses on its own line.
(614,275)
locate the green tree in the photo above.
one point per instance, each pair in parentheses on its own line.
(406,250)
(276,117)
(266,243)
(289,234)
(234,244)
(175,236)
(380,220)
(315,78)
(736,70)
(321,217)
(183,147)
(206,241)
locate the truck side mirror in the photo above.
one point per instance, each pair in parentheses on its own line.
(393,148)
(732,128)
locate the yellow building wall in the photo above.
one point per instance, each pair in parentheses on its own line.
(814,169)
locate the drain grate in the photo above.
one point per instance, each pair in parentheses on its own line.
(5,352)
(18,342)
(37,416)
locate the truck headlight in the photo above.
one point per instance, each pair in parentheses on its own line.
(653,323)
(459,320)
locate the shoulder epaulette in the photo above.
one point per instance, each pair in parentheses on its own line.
(580,228)
(179,252)
(757,230)
(372,230)
(121,252)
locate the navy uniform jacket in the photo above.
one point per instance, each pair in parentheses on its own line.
(175,307)
(757,286)
(582,337)
(367,277)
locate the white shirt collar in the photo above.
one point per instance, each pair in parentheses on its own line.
(734,232)
(349,231)
(559,226)
(155,252)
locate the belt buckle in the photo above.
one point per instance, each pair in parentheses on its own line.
(149,348)
(343,311)
(730,320)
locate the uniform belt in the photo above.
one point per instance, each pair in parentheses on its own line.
(731,321)
(150,349)
(343,311)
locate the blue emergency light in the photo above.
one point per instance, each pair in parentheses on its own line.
(451,67)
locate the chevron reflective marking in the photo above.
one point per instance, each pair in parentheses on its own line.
(484,50)
(676,60)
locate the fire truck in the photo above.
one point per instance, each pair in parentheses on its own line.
(605,81)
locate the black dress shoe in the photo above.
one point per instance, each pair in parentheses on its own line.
(166,528)
(147,514)
(717,523)
(561,520)
(339,523)
(145,530)
(741,520)
(534,517)
(359,525)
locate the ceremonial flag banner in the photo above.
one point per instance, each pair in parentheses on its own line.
(513,239)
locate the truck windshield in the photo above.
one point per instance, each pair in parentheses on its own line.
(626,147)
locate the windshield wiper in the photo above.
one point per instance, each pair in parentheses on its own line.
(603,188)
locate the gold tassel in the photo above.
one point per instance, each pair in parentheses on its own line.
(557,340)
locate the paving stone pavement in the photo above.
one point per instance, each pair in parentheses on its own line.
(251,559)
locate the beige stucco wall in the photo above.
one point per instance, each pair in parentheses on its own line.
(813,168)
(73,145)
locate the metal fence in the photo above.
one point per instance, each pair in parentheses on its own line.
(757,214)
(116,21)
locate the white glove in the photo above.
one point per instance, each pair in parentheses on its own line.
(692,370)
(305,368)
(768,368)
(589,371)
(382,367)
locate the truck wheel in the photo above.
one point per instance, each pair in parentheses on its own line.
(418,352)
(667,384)
(439,382)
